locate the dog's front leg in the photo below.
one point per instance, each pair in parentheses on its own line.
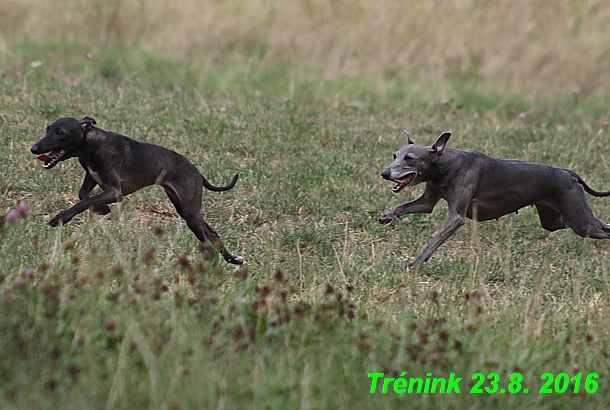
(452,224)
(422,205)
(83,193)
(88,184)
(109,196)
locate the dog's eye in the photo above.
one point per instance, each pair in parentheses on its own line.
(59,132)
(394,155)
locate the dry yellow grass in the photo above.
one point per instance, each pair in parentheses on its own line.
(517,45)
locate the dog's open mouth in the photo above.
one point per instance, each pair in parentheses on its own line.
(52,158)
(401,183)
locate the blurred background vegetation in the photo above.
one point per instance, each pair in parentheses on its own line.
(503,46)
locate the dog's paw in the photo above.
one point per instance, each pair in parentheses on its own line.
(101,209)
(61,218)
(236,260)
(385,219)
(56,220)
(411,265)
(230,258)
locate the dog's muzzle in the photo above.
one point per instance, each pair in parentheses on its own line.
(403,181)
(52,158)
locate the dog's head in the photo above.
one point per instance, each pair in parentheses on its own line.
(412,162)
(64,138)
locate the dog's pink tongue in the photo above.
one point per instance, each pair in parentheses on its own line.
(43,157)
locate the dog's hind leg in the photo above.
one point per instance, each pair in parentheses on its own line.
(190,210)
(206,234)
(577,214)
(550,219)
(592,228)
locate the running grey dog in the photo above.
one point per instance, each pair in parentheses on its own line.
(481,188)
(121,166)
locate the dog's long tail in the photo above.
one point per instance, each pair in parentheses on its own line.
(587,188)
(211,187)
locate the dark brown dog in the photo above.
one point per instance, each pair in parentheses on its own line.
(120,166)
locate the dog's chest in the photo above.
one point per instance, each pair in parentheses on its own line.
(95,176)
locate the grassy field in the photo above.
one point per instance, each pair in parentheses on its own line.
(123,311)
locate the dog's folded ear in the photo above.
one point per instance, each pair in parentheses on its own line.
(86,123)
(439,146)
(409,140)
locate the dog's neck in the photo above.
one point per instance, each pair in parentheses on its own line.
(94,135)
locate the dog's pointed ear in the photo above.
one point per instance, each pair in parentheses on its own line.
(86,123)
(439,146)
(410,141)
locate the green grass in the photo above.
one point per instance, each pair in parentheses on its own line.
(123,311)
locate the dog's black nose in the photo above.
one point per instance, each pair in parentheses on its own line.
(385,174)
(34,149)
